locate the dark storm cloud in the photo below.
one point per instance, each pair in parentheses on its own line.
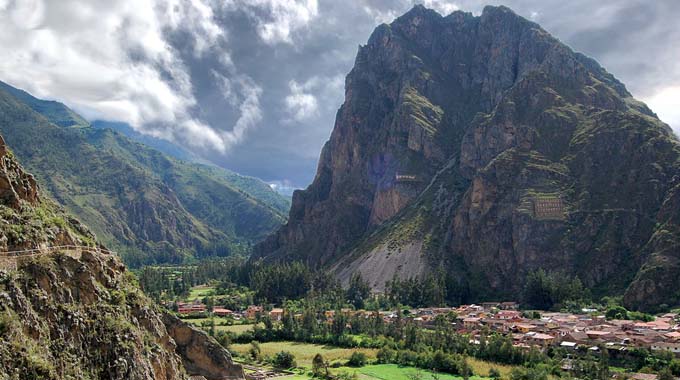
(264,87)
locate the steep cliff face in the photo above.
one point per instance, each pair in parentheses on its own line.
(485,147)
(75,313)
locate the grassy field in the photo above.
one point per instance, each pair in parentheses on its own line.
(200,291)
(395,372)
(304,353)
(482,367)
(387,372)
(220,325)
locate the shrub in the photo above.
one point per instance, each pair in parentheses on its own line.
(494,373)
(284,360)
(386,355)
(358,359)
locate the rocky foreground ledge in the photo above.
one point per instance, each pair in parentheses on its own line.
(66,316)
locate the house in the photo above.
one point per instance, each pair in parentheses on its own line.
(276,314)
(576,336)
(598,335)
(669,347)
(253,311)
(538,339)
(524,327)
(471,323)
(509,315)
(222,312)
(509,306)
(672,336)
(191,308)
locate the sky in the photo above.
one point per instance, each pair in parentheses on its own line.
(254,85)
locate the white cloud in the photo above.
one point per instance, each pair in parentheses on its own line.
(112,60)
(278,20)
(666,104)
(381,16)
(283,187)
(250,112)
(444,7)
(301,104)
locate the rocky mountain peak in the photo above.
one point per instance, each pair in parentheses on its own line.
(456,135)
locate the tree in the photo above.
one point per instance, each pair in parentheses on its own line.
(320,367)
(358,291)
(616,312)
(666,374)
(255,352)
(284,360)
(357,359)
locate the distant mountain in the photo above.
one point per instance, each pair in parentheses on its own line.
(249,185)
(484,148)
(161,145)
(150,207)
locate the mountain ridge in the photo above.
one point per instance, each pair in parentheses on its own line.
(149,207)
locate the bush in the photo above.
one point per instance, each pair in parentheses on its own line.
(386,355)
(358,359)
(284,360)
(494,373)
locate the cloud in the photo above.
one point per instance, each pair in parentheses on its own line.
(283,187)
(116,61)
(300,104)
(666,104)
(444,7)
(278,20)
(305,101)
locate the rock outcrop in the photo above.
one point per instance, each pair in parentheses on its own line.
(497,150)
(201,355)
(76,313)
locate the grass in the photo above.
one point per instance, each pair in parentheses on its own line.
(395,372)
(304,352)
(482,368)
(200,291)
(221,324)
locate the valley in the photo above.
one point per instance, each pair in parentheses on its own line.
(489,203)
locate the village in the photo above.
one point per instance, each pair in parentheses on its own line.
(587,331)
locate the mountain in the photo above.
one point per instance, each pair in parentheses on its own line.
(485,148)
(253,186)
(149,207)
(74,312)
(56,112)
(160,145)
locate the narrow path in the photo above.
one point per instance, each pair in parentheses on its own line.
(9,260)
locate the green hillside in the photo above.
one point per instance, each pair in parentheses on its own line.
(146,205)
